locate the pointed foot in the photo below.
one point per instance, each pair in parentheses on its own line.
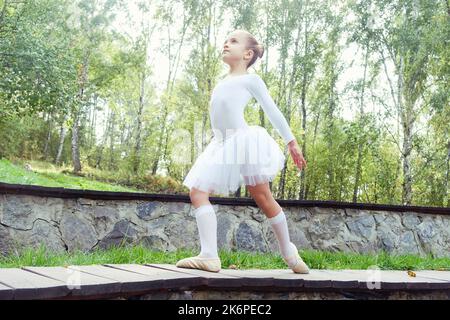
(295,262)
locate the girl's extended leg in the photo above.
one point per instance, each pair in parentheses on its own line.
(208,259)
(264,199)
(206,223)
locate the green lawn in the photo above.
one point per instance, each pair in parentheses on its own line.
(48,175)
(242,260)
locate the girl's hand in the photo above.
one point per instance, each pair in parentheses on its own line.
(296,154)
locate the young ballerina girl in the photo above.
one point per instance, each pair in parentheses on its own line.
(239,153)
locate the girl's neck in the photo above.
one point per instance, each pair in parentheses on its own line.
(237,72)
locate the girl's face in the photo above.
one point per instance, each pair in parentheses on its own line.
(234,49)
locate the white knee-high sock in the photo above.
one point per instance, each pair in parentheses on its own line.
(280,228)
(207,229)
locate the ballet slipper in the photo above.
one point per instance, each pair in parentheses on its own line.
(206,264)
(299,266)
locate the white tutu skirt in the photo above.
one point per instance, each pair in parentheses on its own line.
(248,156)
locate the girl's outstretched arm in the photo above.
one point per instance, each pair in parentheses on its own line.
(258,89)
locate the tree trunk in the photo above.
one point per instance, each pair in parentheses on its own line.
(292,82)
(92,141)
(49,135)
(75,147)
(302,192)
(361,114)
(407,123)
(62,137)
(111,164)
(137,148)
(104,140)
(316,126)
(406,153)
(447,174)
(2,14)
(162,130)
(77,113)
(330,167)
(237,194)
(93,122)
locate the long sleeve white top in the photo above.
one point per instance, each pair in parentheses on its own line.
(231,95)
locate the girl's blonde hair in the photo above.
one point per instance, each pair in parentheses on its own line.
(255,46)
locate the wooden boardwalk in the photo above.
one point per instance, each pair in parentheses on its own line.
(109,280)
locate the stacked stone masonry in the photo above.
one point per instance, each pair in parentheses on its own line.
(66,224)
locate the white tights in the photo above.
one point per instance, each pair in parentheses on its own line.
(207,229)
(280,228)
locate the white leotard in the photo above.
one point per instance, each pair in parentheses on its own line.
(231,95)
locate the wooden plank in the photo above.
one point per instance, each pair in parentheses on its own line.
(29,285)
(378,279)
(211,279)
(129,281)
(169,279)
(398,279)
(434,274)
(251,277)
(6,293)
(366,278)
(411,282)
(286,278)
(78,282)
(57,282)
(432,283)
(281,277)
(344,280)
(316,278)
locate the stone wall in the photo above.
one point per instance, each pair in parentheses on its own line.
(83,224)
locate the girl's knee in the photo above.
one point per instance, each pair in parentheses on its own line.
(198,197)
(260,196)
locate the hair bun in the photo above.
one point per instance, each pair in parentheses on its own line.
(261,50)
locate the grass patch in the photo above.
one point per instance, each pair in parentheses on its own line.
(48,175)
(139,254)
(120,180)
